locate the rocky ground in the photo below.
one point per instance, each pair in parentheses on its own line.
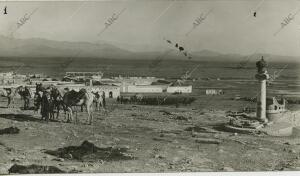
(133,138)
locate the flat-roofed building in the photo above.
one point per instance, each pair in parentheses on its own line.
(179,89)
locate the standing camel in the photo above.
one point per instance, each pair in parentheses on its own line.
(10,94)
(25,94)
(83,97)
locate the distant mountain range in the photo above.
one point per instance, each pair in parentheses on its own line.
(37,47)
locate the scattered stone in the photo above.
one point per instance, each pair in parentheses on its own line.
(171,166)
(46,157)
(34,169)
(10,130)
(15,160)
(159,156)
(162,164)
(189,161)
(28,128)
(10,149)
(221,151)
(69,156)
(292,151)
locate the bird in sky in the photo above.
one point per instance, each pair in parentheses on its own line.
(181,48)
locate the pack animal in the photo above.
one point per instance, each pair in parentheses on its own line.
(11,93)
(83,97)
(25,94)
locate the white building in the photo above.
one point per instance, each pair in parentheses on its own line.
(9,78)
(179,89)
(214,92)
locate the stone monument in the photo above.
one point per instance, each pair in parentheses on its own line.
(262,76)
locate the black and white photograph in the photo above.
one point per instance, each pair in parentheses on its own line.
(140,86)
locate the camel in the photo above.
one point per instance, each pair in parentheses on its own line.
(25,94)
(83,97)
(10,94)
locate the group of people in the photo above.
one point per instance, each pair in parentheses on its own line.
(49,100)
(46,103)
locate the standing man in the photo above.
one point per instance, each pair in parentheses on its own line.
(27,96)
(103,97)
(45,105)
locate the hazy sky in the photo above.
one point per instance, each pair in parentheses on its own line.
(229,28)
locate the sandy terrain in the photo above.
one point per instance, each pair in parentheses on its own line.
(148,139)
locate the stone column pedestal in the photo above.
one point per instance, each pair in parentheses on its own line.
(262,98)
